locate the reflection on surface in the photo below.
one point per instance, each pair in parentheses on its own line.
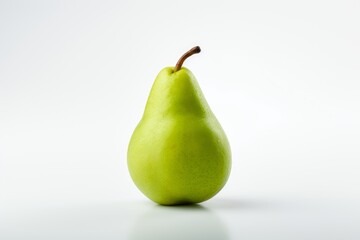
(179,222)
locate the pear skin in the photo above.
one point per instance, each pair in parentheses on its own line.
(178,153)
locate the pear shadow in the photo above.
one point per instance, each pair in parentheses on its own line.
(184,207)
(178,222)
(250,204)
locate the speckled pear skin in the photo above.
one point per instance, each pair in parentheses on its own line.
(178,153)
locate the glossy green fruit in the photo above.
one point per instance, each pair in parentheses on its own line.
(178,153)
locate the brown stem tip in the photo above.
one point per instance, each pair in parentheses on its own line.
(192,51)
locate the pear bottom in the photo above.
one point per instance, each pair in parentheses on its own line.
(179,161)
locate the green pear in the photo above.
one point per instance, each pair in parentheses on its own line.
(178,153)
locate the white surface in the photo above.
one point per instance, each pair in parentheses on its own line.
(283,78)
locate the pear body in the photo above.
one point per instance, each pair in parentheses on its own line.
(178,153)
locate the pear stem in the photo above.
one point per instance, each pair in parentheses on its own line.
(192,51)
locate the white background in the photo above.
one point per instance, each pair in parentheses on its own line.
(282,77)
